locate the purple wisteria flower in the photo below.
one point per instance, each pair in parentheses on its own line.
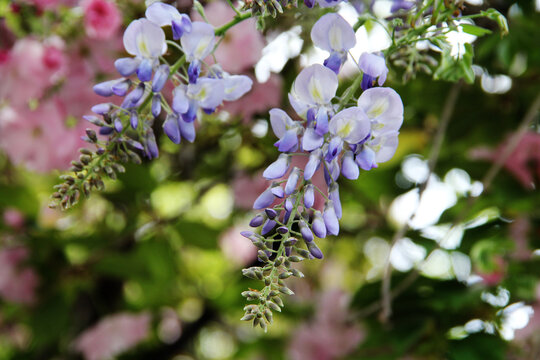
(164,15)
(333,34)
(197,45)
(285,129)
(384,108)
(146,41)
(374,68)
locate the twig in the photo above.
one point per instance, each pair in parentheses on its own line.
(486,182)
(446,115)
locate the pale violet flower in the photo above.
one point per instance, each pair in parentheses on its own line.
(384,108)
(207,94)
(146,41)
(351,125)
(235,86)
(197,45)
(285,129)
(333,34)
(164,15)
(374,68)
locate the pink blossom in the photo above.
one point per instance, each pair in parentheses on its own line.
(519,232)
(17,282)
(31,67)
(261,98)
(242,46)
(522,163)
(247,188)
(39,139)
(113,335)
(236,247)
(328,336)
(102,18)
(13,218)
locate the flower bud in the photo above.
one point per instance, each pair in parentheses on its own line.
(309,196)
(292,181)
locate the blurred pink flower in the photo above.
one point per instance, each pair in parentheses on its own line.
(40,139)
(13,218)
(247,188)
(113,335)
(17,283)
(522,163)
(102,18)
(261,98)
(329,336)
(519,232)
(242,46)
(237,248)
(30,68)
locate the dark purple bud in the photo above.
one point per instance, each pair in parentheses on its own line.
(307,235)
(331,171)
(321,126)
(137,145)
(330,219)
(314,250)
(286,216)
(121,87)
(333,62)
(278,191)
(309,196)
(191,113)
(368,81)
(171,129)
(349,168)
(311,114)
(271,213)
(105,88)
(187,129)
(134,119)
(118,125)
(106,130)
(282,230)
(334,196)
(313,164)
(133,97)
(126,66)
(257,220)
(156,105)
(319,229)
(181,26)
(309,3)
(152,150)
(101,109)
(268,226)
(278,168)
(292,181)
(194,70)
(334,148)
(144,71)
(160,78)
(209,111)
(289,203)
(264,200)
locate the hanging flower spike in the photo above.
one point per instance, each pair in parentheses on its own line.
(146,41)
(285,129)
(384,108)
(333,34)
(164,15)
(373,66)
(197,45)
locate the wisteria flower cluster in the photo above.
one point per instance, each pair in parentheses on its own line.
(125,130)
(339,140)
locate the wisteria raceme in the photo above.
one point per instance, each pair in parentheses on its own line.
(128,128)
(338,141)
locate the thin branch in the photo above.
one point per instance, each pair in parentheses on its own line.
(488,179)
(446,115)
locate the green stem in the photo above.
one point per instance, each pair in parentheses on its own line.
(349,92)
(220,31)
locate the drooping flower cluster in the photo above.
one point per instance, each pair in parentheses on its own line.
(338,140)
(129,127)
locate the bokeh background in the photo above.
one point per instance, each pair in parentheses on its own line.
(150,267)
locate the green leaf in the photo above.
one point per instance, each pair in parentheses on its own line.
(475,30)
(498,17)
